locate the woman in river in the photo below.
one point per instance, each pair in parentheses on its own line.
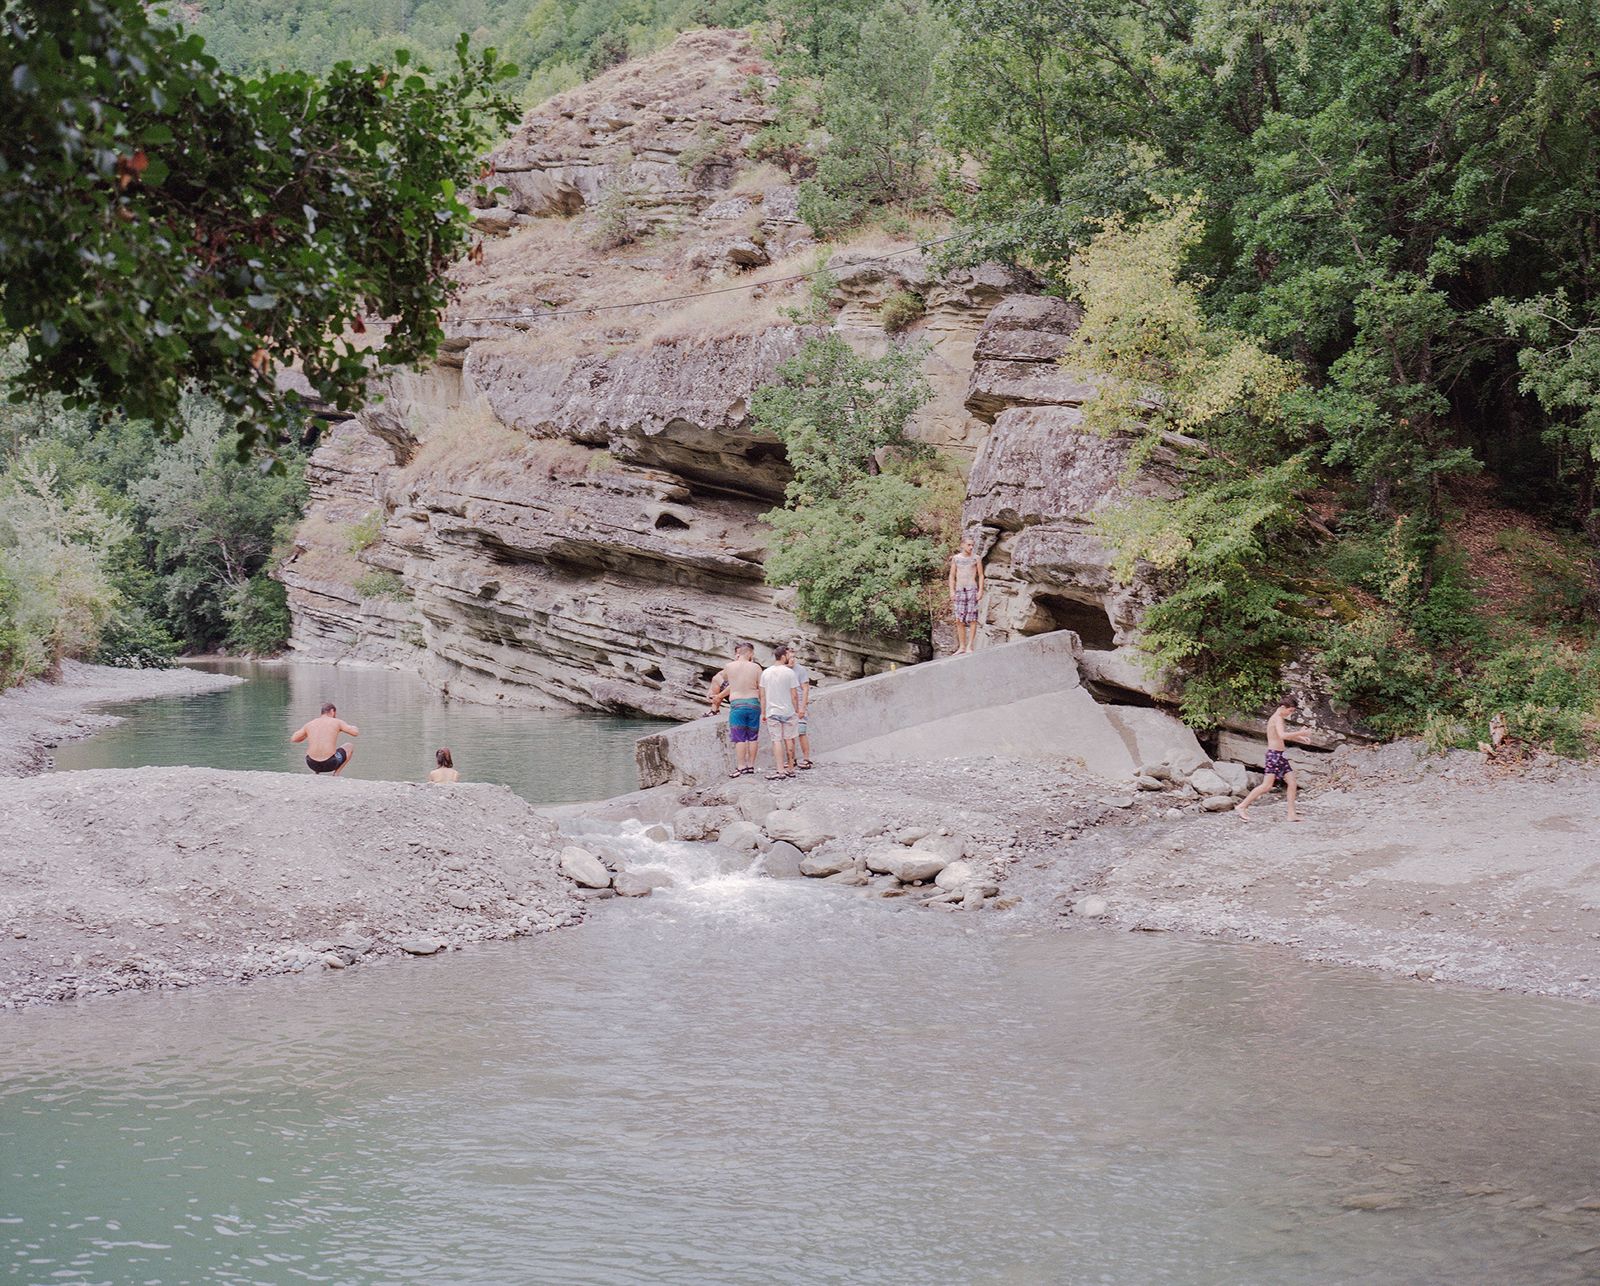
(446,771)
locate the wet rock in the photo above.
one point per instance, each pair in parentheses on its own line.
(695,824)
(1217,803)
(332,960)
(797,829)
(630,884)
(420,946)
(851,878)
(596,895)
(741,836)
(583,868)
(661,835)
(1092,908)
(783,861)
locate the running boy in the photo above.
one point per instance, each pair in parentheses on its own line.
(1277,763)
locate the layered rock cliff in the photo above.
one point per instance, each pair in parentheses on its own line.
(568,507)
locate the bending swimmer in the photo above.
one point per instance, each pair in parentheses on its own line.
(321,735)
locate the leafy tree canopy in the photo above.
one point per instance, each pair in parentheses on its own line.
(163,222)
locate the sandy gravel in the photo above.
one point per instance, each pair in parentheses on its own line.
(1435,867)
(163,877)
(37,717)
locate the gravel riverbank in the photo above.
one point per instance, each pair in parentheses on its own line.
(37,717)
(165,877)
(1436,867)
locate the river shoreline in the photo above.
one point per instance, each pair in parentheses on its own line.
(1440,869)
(38,716)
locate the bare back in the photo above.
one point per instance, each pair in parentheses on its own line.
(322,735)
(444,775)
(744,680)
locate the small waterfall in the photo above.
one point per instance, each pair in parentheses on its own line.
(708,868)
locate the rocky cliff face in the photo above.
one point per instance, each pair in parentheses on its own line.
(567,508)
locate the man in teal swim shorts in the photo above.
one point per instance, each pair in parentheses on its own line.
(740,685)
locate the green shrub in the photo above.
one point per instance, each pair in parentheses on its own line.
(135,640)
(258,616)
(380,584)
(1377,669)
(617,220)
(899,310)
(860,561)
(1549,694)
(365,533)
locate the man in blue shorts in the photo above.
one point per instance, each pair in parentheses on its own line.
(740,685)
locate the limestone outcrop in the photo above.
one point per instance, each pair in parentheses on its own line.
(567,508)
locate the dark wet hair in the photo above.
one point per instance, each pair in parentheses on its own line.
(441,757)
(329,708)
(1290,700)
(782,650)
(743,645)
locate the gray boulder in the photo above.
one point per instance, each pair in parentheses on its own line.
(700,823)
(659,833)
(583,868)
(741,836)
(952,848)
(420,946)
(1146,782)
(783,861)
(914,864)
(633,884)
(1236,775)
(1217,803)
(796,828)
(910,835)
(818,865)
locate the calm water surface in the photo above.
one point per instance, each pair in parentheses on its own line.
(546,757)
(755,1081)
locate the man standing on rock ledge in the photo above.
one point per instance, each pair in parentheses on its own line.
(321,735)
(740,684)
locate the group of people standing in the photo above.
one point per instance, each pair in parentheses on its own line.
(777,698)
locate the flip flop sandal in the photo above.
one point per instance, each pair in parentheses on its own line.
(804,766)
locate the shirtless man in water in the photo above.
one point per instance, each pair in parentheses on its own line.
(1277,764)
(321,735)
(739,683)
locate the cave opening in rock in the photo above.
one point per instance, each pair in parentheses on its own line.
(1058,612)
(654,674)
(670,522)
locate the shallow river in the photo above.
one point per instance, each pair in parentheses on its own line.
(546,757)
(748,1080)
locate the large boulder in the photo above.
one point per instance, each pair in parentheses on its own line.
(818,865)
(907,865)
(782,861)
(583,868)
(1208,782)
(796,828)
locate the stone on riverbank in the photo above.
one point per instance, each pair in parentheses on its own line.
(583,868)
(820,866)
(797,829)
(783,861)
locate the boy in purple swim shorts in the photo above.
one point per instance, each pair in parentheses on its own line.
(1277,763)
(740,685)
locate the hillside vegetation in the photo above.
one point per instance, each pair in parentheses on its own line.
(555,43)
(1355,245)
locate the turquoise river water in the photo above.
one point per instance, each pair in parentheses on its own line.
(758,1081)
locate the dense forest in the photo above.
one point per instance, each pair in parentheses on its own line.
(1349,252)
(555,44)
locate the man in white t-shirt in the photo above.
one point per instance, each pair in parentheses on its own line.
(780,711)
(802,736)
